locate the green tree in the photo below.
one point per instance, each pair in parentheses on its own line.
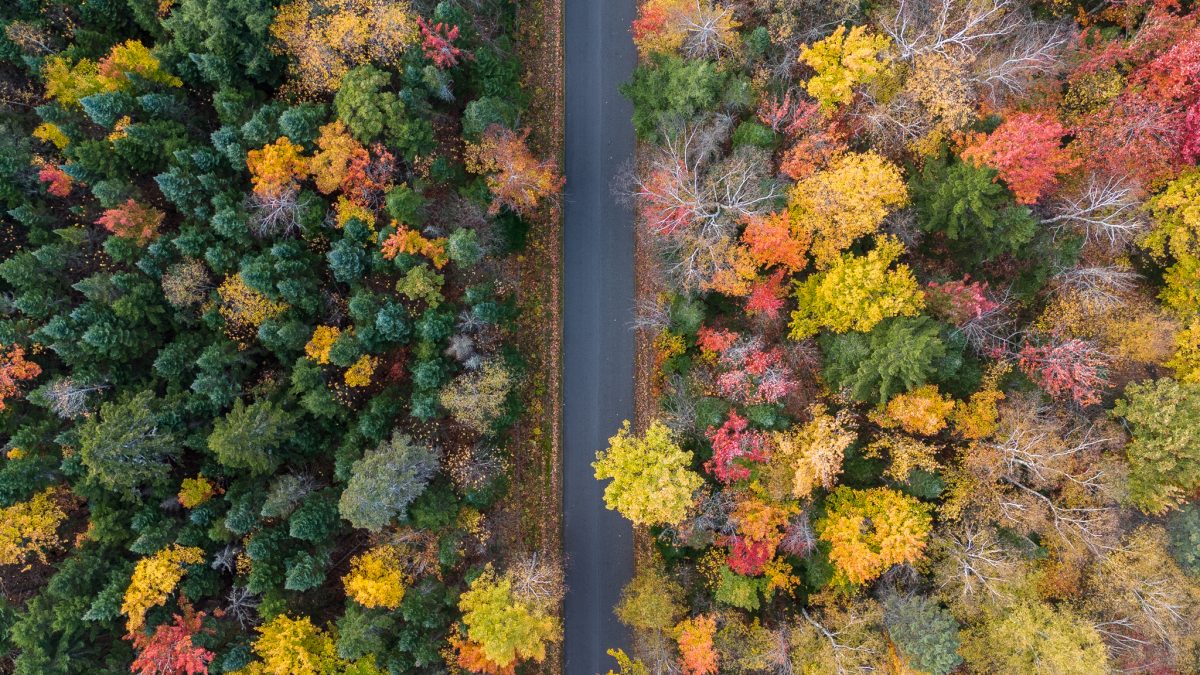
(372,113)
(898,355)
(669,90)
(125,445)
(386,480)
(250,436)
(977,215)
(924,632)
(1184,530)
(1164,455)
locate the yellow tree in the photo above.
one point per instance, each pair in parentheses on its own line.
(276,167)
(336,149)
(502,627)
(327,38)
(870,530)
(846,201)
(652,483)
(842,61)
(288,646)
(922,411)
(30,529)
(698,28)
(810,456)
(857,292)
(154,578)
(377,577)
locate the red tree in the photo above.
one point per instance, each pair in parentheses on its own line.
(767,296)
(58,182)
(1026,150)
(733,447)
(437,41)
(748,556)
(132,220)
(959,302)
(170,650)
(1074,367)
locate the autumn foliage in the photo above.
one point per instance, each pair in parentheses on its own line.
(517,179)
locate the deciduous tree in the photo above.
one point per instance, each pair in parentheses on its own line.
(651,479)
(516,178)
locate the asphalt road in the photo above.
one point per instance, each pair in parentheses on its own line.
(598,345)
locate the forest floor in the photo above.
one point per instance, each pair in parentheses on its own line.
(531,517)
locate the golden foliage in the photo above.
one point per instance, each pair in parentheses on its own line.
(843,61)
(321,342)
(377,578)
(871,530)
(30,529)
(327,38)
(359,374)
(154,578)
(276,167)
(243,306)
(810,456)
(195,491)
(922,411)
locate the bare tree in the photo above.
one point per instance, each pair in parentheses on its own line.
(1106,209)
(69,399)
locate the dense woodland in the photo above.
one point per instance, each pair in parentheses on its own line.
(926,338)
(258,363)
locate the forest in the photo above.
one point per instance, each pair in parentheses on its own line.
(925,326)
(259,338)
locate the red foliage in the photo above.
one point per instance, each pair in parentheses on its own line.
(767,296)
(715,340)
(750,372)
(770,241)
(734,446)
(14,369)
(170,651)
(1174,75)
(959,302)
(748,557)
(1026,150)
(1189,150)
(369,176)
(1134,137)
(437,41)
(1074,367)
(58,182)
(791,118)
(132,220)
(652,20)
(811,153)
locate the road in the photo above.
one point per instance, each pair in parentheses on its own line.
(598,344)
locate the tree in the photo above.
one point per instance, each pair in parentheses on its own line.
(843,61)
(810,456)
(437,41)
(1032,637)
(845,201)
(1026,151)
(377,577)
(504,628)
(856,293)
(652,600)
(123,447)
(735,448)
(976,214)
(922,411)
(170,649)
(651,482)
(668,89)
(154,578)
(294,647)
(1183,528)
(773,239)
(14,369)
(925,634)
(368,110)
(336,150)
(1074,367)
(870,530)
(697,654)
(329,37)
(518,180)
(30,529)
(701,30)
(1177,217)
(1145,596)
(133,221)
(386,480)
(897,355)
(476,398)
(276,168)
(248,437)
(1164,455)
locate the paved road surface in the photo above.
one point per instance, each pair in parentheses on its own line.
(598,348)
